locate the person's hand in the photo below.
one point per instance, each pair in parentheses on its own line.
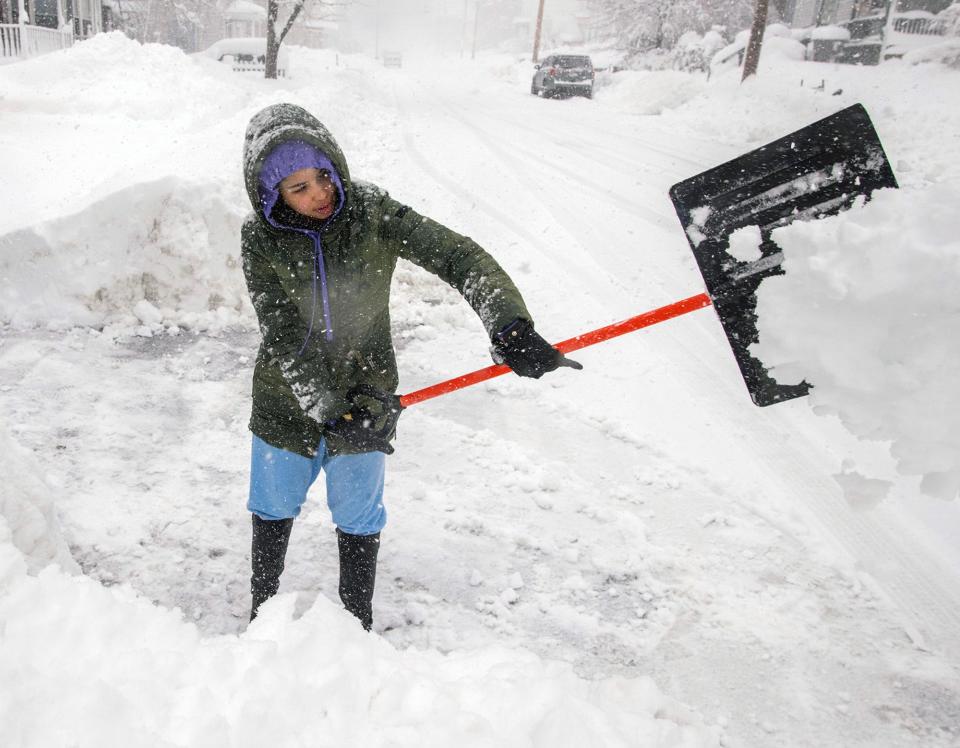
(370,422)
(521,348)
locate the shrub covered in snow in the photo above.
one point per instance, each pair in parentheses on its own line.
(693,52)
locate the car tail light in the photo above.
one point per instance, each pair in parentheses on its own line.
(553,71)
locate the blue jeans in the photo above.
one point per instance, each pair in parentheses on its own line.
(279,481)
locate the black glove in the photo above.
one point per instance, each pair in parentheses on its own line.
(370,422)
(521,348)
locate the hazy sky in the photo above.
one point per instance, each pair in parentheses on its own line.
(448,25)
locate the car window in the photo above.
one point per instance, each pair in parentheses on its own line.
(571,62)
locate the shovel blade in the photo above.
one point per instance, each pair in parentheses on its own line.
(814,172)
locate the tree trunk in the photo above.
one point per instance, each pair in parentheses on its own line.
(752,58)
(273,43)
(274,39)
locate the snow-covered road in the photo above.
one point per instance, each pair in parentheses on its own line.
(640,517)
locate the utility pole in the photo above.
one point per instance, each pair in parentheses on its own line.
(376,31)
(476,22)
(536,33)
(752,58)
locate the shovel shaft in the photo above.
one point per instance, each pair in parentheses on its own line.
(646,319)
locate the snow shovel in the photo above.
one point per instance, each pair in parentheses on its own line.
(814,172)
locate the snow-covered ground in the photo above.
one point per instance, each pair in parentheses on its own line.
(628,555)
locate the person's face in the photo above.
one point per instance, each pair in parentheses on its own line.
(310,192)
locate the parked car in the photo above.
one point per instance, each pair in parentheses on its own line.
(392,59)
(246,54)
(559,75)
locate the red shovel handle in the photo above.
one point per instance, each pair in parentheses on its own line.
(580,341)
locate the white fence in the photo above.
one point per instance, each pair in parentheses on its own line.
(18,41)
(255,67)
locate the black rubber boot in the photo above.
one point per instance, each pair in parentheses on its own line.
(358,572)
(269,548)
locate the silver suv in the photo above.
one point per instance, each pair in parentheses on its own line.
(560,75)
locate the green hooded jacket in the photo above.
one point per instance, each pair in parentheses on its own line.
(295,392)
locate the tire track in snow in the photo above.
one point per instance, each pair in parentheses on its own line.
(504,149)
(576,137)
(914,582)
(507,219)
(614,157)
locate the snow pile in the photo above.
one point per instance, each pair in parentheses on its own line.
(868,313)
(778,45)
(652,92)
(119,671)
(153,255)
(788,95)
(945,53)
(830,33)
(73,80)
(28,521)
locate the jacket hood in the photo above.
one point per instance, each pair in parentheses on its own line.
(288,123)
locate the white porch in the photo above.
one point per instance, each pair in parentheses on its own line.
(34,27)
(20,41)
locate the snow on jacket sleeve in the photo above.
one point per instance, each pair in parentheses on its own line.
(456,259)
(283,332)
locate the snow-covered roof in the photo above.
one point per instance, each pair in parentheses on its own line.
(245,9)
(915,14)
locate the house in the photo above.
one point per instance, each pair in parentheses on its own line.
(33,27)
(878,29)
(316,24)
(244,18)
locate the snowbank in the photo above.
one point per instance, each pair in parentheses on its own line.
(30,534)
(945,53)
(777,45)
(830,33)
(73,81)
(99,666)
(652,92)
(868,313)
(153,255)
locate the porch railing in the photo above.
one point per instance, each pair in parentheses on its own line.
(927,26)
(18,41)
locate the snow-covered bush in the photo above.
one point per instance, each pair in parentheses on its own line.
(778,42)
(693,52)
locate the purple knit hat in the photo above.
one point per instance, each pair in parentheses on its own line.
(284,160)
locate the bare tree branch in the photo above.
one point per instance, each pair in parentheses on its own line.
(293,17)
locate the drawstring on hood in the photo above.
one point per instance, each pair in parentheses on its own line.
(285,159)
